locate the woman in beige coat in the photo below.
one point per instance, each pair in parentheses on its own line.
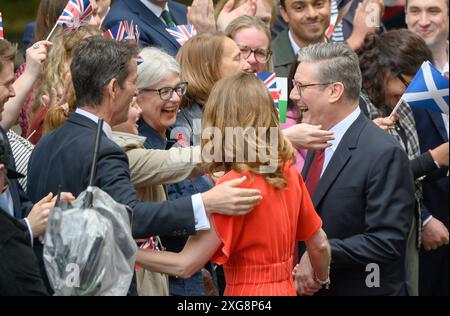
(152,168)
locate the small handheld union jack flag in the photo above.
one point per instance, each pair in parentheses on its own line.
(1,27)
(139,60)
(122,31)
(117,32)
(182,33)
(75,12)
(270,80)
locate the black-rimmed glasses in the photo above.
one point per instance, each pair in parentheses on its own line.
(403,80)
(166,93)
(300,86)
(262,56)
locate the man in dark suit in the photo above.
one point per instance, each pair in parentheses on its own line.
(152,18)
(434,255)
(361,186)
(429,19)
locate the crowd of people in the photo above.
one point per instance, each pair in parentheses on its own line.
(349,196)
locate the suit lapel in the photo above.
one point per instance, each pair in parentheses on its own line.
(151,20)
(340,159)
(439,123)
(284,53)
(308,161)
(179,17)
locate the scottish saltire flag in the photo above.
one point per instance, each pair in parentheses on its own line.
(182,33)
(428,89)
(75,12)
(1,27)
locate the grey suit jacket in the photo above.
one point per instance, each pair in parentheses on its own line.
(283,54)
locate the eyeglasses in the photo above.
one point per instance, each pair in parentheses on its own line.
(262,56)
(403,80)
(166,93)
(301,86)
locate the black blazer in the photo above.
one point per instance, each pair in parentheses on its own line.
(64,157)
(432,133)
(366,201)
(19,272)
(152,29)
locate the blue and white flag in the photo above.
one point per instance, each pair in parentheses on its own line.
(428,89)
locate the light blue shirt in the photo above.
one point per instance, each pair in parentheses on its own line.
(339,131)
(6,203)
(201,220)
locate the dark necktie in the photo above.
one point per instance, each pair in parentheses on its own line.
(168,19)
(314,172)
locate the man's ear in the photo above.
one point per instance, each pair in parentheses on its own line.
(113,88)
(336,92)
(283,13)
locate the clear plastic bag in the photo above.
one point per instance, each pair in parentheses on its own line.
(90,251)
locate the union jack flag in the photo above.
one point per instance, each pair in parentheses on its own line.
(75,12)
(149,245)
(139,60)
(270,80)
(122,31)
(137,33)
(1,27)
(117,32)
(182,33)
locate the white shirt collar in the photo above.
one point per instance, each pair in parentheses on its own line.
(106,128)
(341,128)
(157,10)
(339,131)
(294,45)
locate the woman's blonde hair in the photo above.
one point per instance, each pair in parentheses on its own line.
(245,22)
(54,74)
(273,3)
(56,66)
(243,103)
(200,59)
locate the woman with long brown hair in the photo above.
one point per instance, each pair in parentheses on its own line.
(257,250)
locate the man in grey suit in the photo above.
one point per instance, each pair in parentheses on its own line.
(361,186)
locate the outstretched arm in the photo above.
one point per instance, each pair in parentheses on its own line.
(197,251)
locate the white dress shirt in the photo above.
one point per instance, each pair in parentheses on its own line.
(201,220)
(339,131)
(157,10)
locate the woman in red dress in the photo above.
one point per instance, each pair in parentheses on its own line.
(256,250)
